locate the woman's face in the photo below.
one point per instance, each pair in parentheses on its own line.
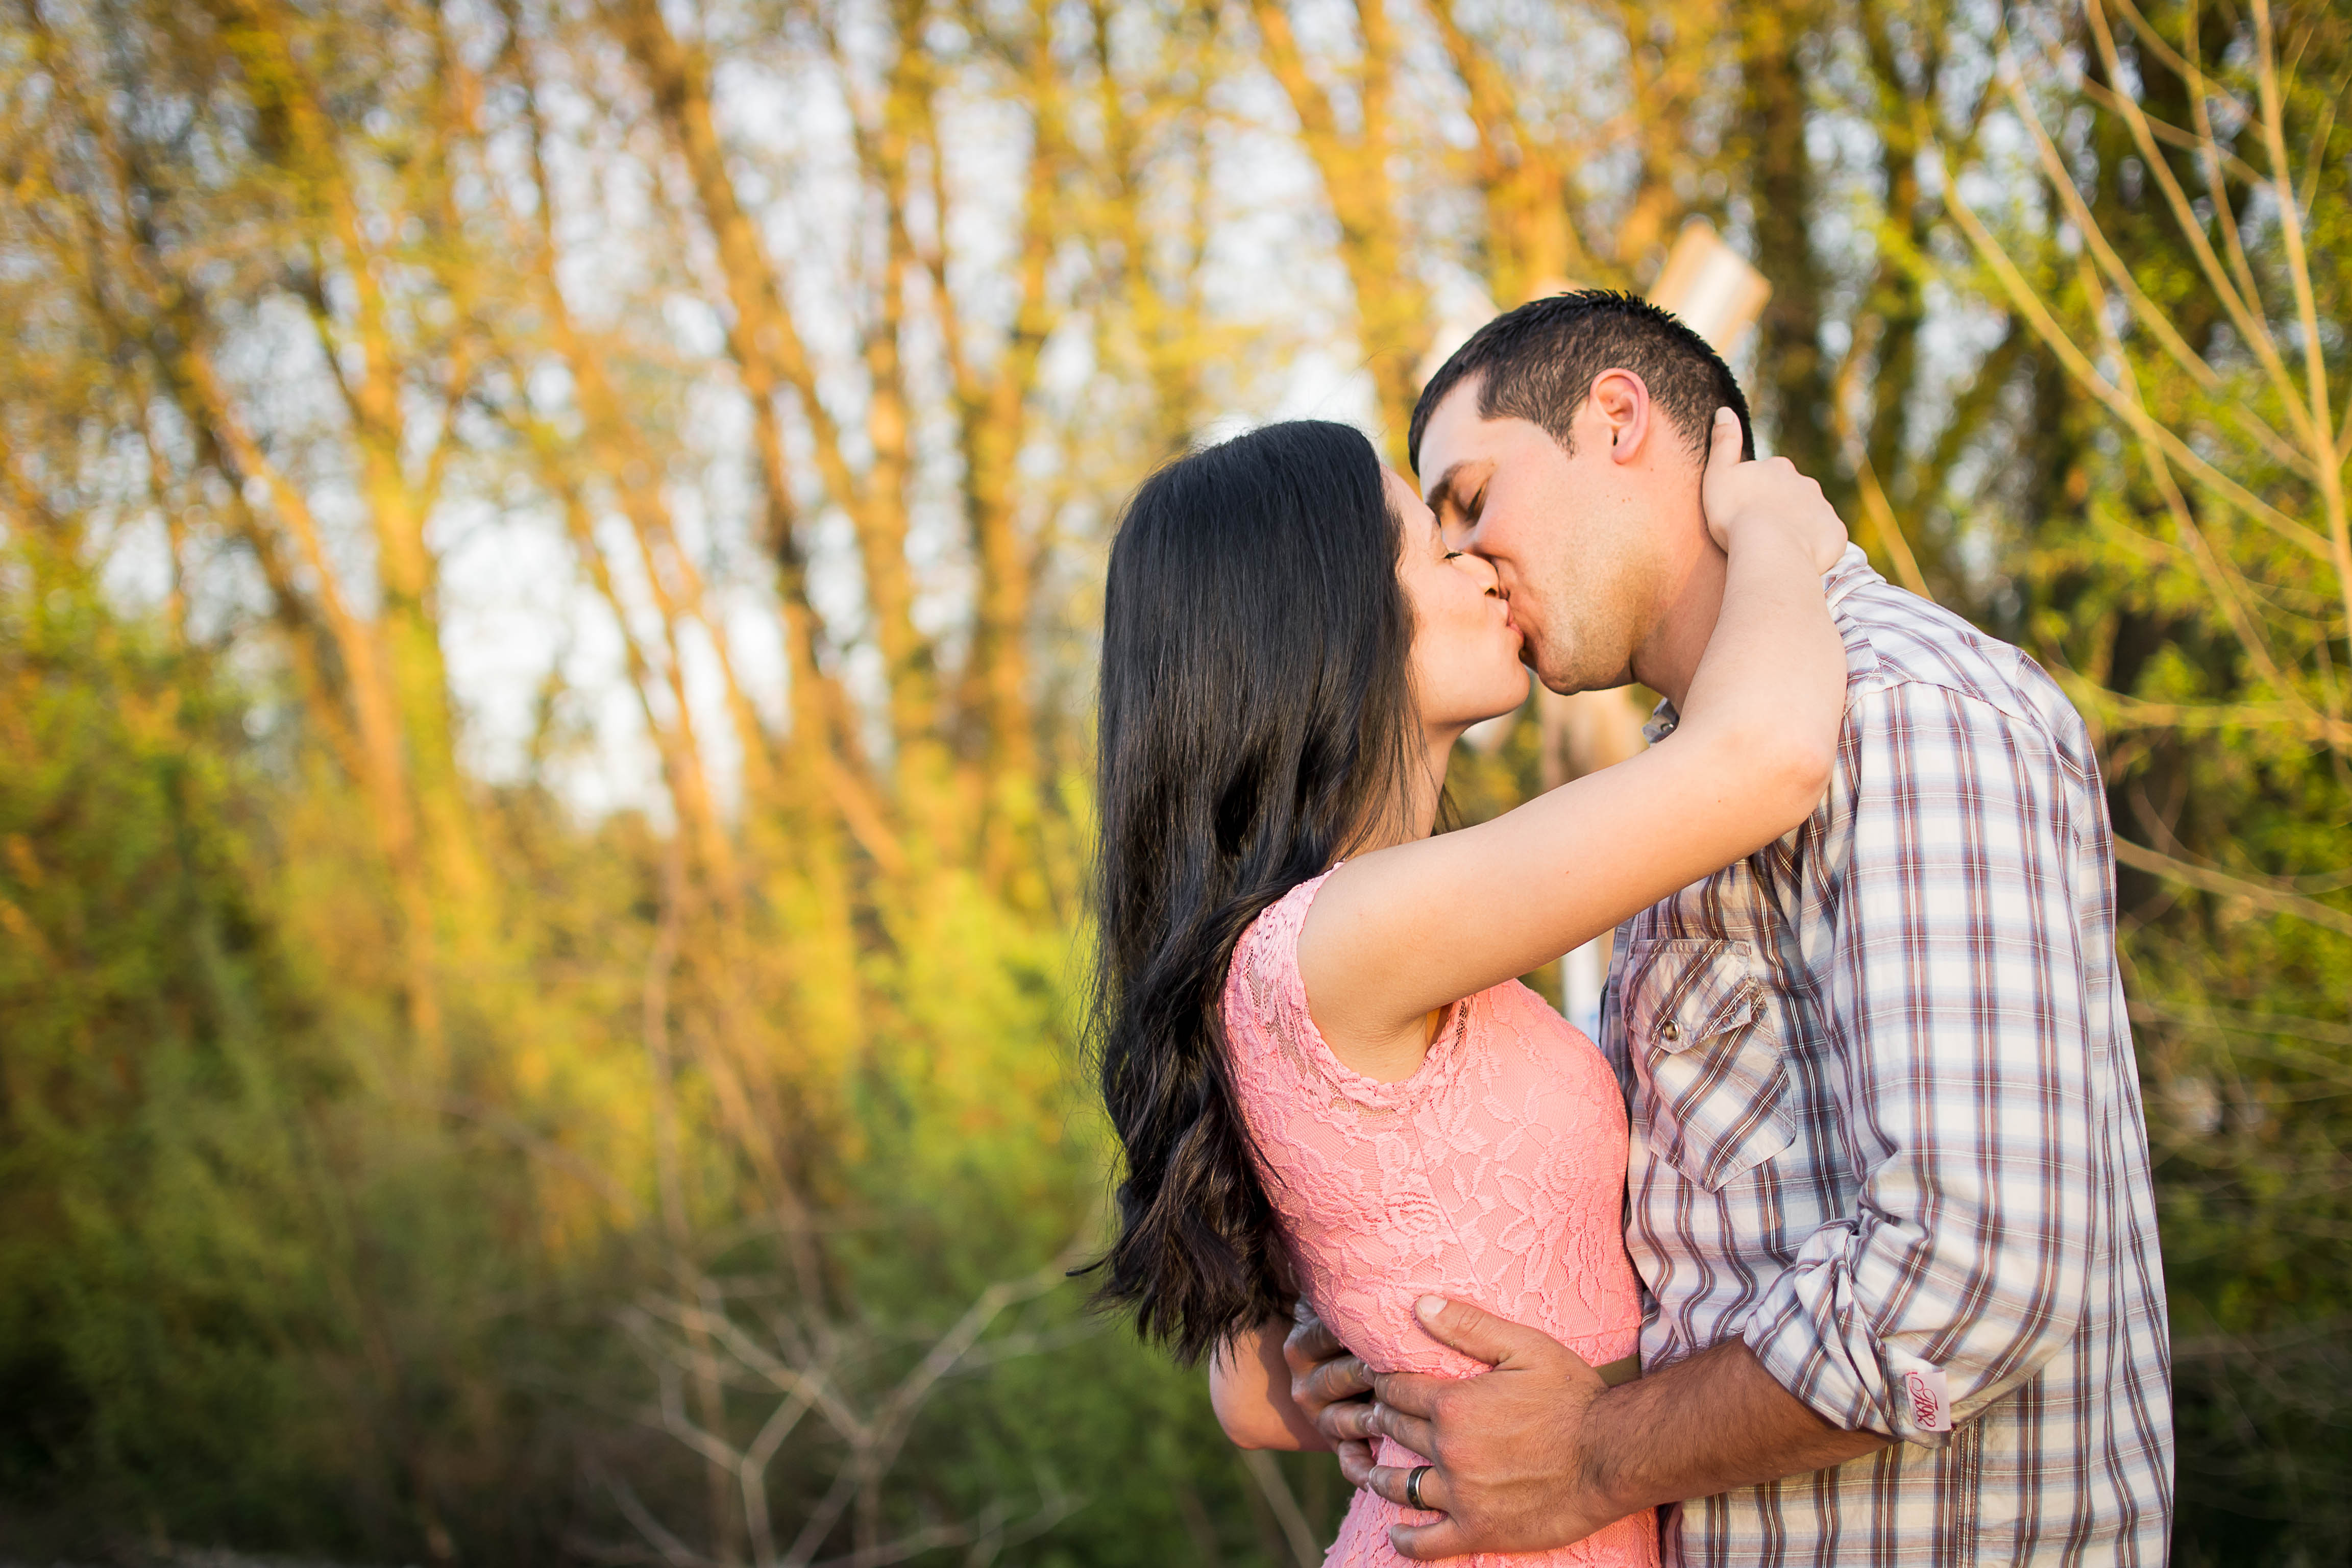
(1465,652)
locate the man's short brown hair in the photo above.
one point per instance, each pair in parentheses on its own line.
(1539,363)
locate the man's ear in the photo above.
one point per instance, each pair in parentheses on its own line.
(1622,400)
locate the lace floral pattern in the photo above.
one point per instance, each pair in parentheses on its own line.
(1496,1174)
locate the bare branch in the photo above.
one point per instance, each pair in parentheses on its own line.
(2262,895)
(673,1551)
(2318,1031)
(2306,307)
(1267,1476)
(2235,287)
(2037,313)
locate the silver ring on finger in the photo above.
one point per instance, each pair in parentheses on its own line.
(1412,1488)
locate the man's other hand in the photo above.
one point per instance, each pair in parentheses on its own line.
(1536,1454)
(1511,1470)
(1333,1389)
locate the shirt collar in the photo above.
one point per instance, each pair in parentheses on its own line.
(1853,571)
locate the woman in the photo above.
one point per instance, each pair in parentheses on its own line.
(1327,1082)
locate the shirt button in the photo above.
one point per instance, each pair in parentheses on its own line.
(1670,1031)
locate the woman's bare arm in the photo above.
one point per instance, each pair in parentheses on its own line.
(1402,931)
(1249,1387)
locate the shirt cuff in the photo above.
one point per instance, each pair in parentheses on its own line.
(1814,1340)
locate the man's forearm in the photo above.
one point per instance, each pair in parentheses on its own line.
(1705,1425)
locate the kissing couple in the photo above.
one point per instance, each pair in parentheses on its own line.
(1840,1247)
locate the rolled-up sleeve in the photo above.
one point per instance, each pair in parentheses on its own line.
(1952,982)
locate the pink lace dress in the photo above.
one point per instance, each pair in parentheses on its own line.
(1495,1175)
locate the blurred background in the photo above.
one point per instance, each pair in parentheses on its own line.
(549,563)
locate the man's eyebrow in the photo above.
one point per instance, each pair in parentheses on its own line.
(1441,491)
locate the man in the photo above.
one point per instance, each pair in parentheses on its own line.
(1888,1190)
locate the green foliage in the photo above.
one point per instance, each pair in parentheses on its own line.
(252,1290)
(158,1188)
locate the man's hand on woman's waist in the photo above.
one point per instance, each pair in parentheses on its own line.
(1540,1452)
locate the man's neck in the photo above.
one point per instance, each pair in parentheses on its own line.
(1681,623)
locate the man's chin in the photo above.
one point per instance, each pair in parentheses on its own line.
(1577,685)
(1559,681)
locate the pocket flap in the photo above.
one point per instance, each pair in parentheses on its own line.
(1694,991)
(1706,1056)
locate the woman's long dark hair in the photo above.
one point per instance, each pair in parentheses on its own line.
(1256,716)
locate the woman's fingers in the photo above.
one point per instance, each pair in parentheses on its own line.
(1733,491)
(1723,456)
(1725,439)
(1356,1463)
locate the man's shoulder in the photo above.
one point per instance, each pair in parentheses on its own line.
(1901,648)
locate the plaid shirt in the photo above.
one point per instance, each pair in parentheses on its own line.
(1888,1130)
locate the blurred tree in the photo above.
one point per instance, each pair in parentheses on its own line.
(1346,123)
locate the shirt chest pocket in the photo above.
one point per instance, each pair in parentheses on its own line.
(1705,1040)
